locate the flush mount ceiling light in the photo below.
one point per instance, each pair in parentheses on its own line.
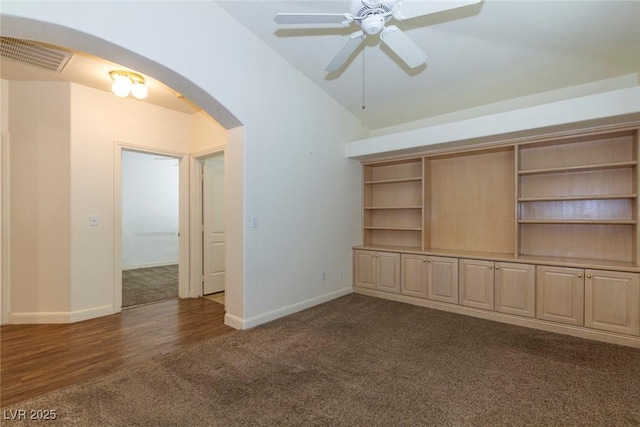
(125,82)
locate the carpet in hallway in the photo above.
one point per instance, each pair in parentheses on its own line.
(145,285)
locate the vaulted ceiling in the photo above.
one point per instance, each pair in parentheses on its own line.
(480,54)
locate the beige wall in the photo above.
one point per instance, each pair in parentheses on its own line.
(206,133)
(39,122)
(4,122)
(63,172)
(99,119)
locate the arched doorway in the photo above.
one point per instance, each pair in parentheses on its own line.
(19,27)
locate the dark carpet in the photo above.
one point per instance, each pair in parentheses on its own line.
(145,285)
(361,361)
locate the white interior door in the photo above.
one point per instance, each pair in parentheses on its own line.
(213,228)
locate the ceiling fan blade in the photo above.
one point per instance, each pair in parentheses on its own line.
(313,18)
(347,50)
(403,46)
(408,9)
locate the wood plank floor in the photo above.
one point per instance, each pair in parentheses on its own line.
(37,359)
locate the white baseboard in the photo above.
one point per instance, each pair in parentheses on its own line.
(60,316)
(149,265)
(234,321)
(240,323)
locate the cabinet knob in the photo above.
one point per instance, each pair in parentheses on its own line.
(588,276)
(579,275)
(424,260)
(497,268)
(490,267)
(429,261)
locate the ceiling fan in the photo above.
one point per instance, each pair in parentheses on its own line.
(372,17)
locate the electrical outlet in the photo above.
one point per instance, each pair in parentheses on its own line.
(323,276)
(340,272)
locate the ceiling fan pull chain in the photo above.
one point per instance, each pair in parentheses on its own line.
(363,49)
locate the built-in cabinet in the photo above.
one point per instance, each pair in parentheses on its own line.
(413,275)
(515,288)
(560,295)
(540,232)
(611,301)
(378,270)
(443,279)
(476,283)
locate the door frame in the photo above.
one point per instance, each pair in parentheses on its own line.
(196,241)
(183,217)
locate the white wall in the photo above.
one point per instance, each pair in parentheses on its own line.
(295,178)
(149,210)
(538,99)
(614,107)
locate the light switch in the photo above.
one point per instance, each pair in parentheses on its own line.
(93,220)
(254,222)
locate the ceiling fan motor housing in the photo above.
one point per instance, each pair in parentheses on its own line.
(373,24)
(372,14)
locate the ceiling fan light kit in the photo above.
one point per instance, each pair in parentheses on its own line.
(372,16)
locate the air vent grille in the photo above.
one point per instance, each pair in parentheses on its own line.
(34,54)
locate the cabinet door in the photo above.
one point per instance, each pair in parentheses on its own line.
(560,295)
(476,283)
(413,275)
(515,289)
(612,301)
(443,279)
(388,271)
(365,269)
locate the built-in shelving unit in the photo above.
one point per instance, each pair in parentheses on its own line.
(542,233)
(579,196)
(569,197)
(393,204)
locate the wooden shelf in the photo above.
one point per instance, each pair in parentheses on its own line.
(585,197)
(394,181)
(390,248)
(393,203)
(391,207)
(374,227)
(583,168)
(578,221)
